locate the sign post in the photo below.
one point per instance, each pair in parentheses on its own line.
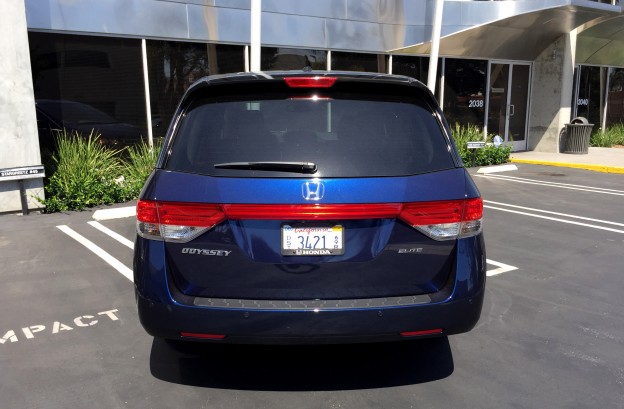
(474,145)
(20,174)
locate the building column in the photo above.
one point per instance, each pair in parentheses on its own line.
(19,143)
(551,93)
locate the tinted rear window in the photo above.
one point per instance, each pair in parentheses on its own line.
(344,136)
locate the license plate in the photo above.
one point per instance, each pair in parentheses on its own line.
(312,240)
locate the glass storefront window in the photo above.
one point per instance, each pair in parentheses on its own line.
(85,83)
(415,67)
(224,58)
(342,61)
(464,91)
(615,99)
(292,59)
(174,66)
(589,98)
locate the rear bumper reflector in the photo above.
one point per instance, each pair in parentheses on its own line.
(202,336)
(435,331)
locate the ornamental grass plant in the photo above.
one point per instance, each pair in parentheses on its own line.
(86,173)
(139,163)
(612,136)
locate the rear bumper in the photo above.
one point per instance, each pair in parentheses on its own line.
(165,313)
(309,327)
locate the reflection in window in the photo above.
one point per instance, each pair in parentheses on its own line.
(415,67)
(86,58)
(174,66)
(358,62)
(292,59)
(464,91)
(84,83)
(615,101)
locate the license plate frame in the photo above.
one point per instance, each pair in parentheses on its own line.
(316,239)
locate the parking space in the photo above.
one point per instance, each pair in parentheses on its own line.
(562,219)
(551,332)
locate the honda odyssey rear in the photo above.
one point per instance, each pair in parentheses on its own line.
(319,207)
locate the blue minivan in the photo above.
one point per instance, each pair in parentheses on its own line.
(308,207)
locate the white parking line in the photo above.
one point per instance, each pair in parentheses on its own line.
(112,261)
(571,216)
(112,234)
(556,219)
(502,268)
(555,184)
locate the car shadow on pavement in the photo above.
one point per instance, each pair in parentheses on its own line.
(302,368)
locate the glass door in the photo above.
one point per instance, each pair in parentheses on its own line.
(508,98)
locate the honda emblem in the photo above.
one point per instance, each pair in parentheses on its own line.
(313,190)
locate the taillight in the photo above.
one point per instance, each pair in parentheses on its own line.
(182,222)
(171,221)
(313,212)
(445,220)
(310,82)
(472,219)
(425,213)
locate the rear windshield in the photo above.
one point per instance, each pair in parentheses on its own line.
(342,137)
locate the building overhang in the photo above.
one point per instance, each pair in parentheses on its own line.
(602,42)
(524,34)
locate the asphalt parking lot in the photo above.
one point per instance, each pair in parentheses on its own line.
(551,334)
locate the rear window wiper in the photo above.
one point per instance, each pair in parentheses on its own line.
(298,167)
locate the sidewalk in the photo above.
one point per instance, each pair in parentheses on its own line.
(609,160)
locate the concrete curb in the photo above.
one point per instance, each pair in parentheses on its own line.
(596,168)
(497,168)
(114,213)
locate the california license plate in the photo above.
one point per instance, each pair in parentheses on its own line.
(312,240)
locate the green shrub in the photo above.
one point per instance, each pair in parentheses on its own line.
(491,155)
(140,162)
(488,155)
(85,174)
(613,135)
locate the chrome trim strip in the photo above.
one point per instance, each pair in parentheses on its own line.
(311,305)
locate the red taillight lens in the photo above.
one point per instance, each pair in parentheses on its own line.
(425,213)
(313,212)
(445,220)
(181,214)
(190,214)
(173,221)
(310,82)
(473,209)
(146,211)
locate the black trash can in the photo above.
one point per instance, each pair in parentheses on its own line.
(577,135)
